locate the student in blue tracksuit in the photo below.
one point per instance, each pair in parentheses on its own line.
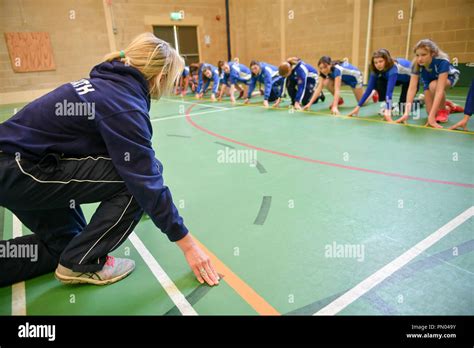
(432,66)
(207,73)
(91,141)
(266,74)
(332,75)
(224,85)
(386,73)
(183,82)
(468,109)
(301,80)
(193,76)
(237,75)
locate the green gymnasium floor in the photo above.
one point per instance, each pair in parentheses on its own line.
(402,193)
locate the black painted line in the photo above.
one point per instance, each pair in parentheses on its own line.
(224,144)
(178,135)
(261,168)
(264,209)
(312,308)
(194,296)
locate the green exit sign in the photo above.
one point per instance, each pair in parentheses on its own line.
(176,16)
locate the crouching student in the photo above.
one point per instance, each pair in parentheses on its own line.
(206,74)
(386,73)
(267,75)
(432,66)
(301,80)
(333,74)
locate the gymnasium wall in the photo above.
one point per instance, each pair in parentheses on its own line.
(134,16)
(78,44)
(260,29)
(450,23)
(81,43)
(339,28)
(255,30)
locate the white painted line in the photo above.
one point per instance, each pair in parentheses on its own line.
(18,289)
(17,227)
(173,292)
(184,115)
(196,102)
(369,283)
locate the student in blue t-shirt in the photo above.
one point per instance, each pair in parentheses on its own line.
(333,74)
(386,73)
(432,66)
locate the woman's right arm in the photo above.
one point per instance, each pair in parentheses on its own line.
(127,136)
(412,89)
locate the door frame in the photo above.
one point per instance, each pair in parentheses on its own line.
(188,21)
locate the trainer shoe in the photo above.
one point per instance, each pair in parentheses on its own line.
(457,109)
(442,116)
(322,97)
(395,111)
(453,108)
(340,102)
(115,269)
(375,97)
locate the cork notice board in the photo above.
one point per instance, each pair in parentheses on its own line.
(30,51)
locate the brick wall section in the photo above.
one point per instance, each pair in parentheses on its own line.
(129,18)
(324,27)
(255,30)
(319,27)
(450,23)
(77,44)
(80,44)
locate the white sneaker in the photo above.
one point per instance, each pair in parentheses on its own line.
(115,269)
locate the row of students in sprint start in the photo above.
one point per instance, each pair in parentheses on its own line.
(304,85)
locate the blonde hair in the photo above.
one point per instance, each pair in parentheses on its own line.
(159,63)
(432,47)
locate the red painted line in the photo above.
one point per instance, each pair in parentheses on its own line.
(306,159)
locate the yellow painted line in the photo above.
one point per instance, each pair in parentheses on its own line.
(320,113)
(256,301)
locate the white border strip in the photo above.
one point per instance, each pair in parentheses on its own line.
(184,115)
(369,283)
(197,103)
(18,289)
(173,292)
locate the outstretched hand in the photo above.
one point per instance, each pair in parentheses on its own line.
(199,262)
(461,124)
